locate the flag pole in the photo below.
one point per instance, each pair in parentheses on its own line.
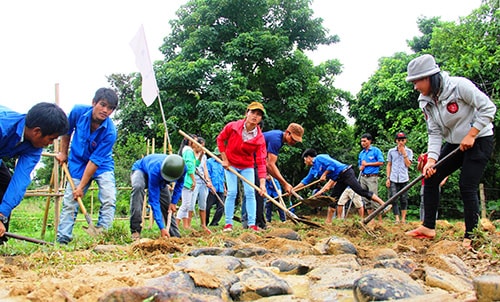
(166,137)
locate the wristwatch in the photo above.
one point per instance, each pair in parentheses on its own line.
(4,219)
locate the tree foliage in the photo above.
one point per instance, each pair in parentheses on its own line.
(222,55)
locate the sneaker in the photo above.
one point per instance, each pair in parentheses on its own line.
(254,228)
(228,228)
(136,236)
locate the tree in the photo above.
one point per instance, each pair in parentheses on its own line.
(221,55)
(387,104)
(426,27)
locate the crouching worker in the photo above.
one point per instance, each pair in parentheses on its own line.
(339,176)
(155,172)
(23,137)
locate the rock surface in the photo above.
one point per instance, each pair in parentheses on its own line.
(282,264)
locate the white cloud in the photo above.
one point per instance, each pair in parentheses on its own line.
(78,43)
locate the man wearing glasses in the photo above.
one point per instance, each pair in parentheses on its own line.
(399,159)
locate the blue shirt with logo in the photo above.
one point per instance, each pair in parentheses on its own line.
(95,146)
(322,163)
(372,155)
(216,172)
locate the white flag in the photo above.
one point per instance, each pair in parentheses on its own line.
(143,62)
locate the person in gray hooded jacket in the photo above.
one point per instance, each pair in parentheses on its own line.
(457,112)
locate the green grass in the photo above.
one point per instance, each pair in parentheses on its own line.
(27,220)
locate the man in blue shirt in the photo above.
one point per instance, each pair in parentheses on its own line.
(339,175)
(275,139)
(370,159)
(155,172)
(90,158)
(23,136)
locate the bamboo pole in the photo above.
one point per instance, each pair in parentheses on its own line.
(57,200)
(47,205)
(482,198)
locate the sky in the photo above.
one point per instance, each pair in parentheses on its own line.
(74,45)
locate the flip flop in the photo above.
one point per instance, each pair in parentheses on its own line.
(417,234)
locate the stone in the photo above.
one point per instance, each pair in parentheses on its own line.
(487,287)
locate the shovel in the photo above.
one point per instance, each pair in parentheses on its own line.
(314,202)
(91,230)
(294,218)
(407,187)
(29,239)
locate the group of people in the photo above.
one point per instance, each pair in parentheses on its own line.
(87,138)
(456,112)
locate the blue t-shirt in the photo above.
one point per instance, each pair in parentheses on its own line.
(373,155)
(151,166)
(274,141)
(322,163)
(216,172)
(96,146)
(12,144)
(271,191)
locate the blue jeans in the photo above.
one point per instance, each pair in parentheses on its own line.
(232,191)
(200,195)
(107,197)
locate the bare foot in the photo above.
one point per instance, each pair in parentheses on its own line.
(207,229)
(467,244)
(422,232)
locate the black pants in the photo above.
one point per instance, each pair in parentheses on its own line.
(472,164)
(4,183)
(345,179)
(260,219)
(219,209)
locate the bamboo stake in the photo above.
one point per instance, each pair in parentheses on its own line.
(57,179)
(47,205)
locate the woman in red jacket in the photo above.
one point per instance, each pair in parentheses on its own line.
(242,147)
